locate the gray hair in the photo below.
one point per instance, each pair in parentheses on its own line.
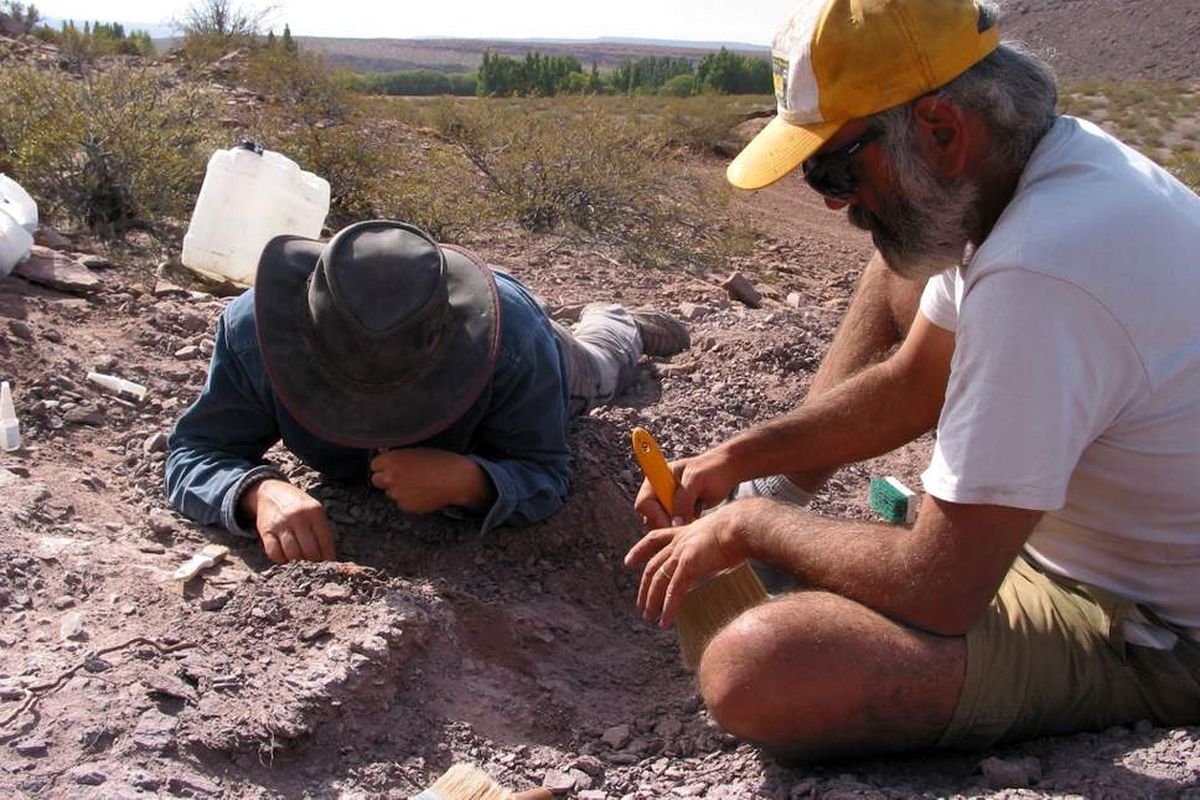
(1012,91)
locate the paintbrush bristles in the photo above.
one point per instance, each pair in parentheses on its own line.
(713,605)
(465,782)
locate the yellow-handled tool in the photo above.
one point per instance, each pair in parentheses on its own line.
(654,466)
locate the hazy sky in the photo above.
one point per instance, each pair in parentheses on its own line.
(751,21)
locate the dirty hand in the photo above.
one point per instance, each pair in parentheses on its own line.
(421,479)
(676,558)
(291,524)
(701,482)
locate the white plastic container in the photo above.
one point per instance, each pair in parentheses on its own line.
(17,203)
(18,223)
(15,243)
(10,427)
(250,196)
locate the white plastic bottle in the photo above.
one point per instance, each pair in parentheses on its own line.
(10,428)
(125,389)
(250,196)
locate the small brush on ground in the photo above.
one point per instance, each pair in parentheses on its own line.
(892,500)
(711,604)
(466,782)
(207,558)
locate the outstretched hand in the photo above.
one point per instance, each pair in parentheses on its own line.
(700,482)
(291,524)
(676,558)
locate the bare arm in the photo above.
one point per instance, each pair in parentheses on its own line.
(877,410)
(939,577)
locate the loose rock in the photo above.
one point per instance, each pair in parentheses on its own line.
(1016,773)
(616,737)
(740,289)
(32,748)
(72,627)
(53,269)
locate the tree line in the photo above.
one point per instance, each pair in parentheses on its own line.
(541,75)
(93,39)
(416,83)
(99,39)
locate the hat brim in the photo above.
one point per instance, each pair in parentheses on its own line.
(778,149)
(355,415)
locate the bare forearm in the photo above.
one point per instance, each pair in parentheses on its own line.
(874,412)
(861,561)
(472,487)
(939,577)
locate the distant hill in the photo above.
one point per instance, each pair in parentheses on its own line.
(1083,39)
(1110,39)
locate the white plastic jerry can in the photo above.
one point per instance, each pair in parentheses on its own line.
(250,196)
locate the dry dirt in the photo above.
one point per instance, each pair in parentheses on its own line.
(521,652)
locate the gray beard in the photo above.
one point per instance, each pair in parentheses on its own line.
(925,227)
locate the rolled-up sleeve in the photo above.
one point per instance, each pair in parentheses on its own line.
(522,441)
(217,446)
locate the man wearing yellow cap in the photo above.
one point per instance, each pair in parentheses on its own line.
(1034,298)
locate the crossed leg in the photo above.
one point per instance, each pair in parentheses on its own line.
(811,675)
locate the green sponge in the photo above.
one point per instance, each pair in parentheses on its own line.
(892,500)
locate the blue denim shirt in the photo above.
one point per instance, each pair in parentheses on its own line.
(516,431)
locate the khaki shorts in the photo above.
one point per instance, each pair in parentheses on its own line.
(1049,657)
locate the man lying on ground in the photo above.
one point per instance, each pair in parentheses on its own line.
(1050,582)
(383,356)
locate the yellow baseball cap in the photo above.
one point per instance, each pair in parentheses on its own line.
(838,60)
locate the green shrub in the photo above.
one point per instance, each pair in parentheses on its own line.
(679,86)
(121,149)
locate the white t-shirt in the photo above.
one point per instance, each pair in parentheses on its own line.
(1075,382)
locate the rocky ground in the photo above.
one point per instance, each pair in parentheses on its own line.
(521,652)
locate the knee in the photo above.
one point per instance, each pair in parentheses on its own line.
(731,676)
(740,672)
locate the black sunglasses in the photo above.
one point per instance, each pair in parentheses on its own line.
(832,174)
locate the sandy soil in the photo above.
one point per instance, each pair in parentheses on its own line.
(521,652)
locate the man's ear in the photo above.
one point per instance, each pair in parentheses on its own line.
(944,134)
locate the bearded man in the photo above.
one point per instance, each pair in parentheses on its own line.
(1034,298)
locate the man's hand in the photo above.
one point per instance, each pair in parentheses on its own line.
(420,480)
(700,482)
(676,558)
(291,524)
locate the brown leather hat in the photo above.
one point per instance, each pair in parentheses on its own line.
(378,338)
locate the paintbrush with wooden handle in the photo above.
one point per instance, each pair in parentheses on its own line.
(466,782)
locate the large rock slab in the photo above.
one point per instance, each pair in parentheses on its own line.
(57,271)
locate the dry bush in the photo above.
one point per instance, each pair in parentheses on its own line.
(214,28)
(703,123)
(1185,165)
(314,89)
(572,167)
(115,150)
(373,170)
(311,117)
